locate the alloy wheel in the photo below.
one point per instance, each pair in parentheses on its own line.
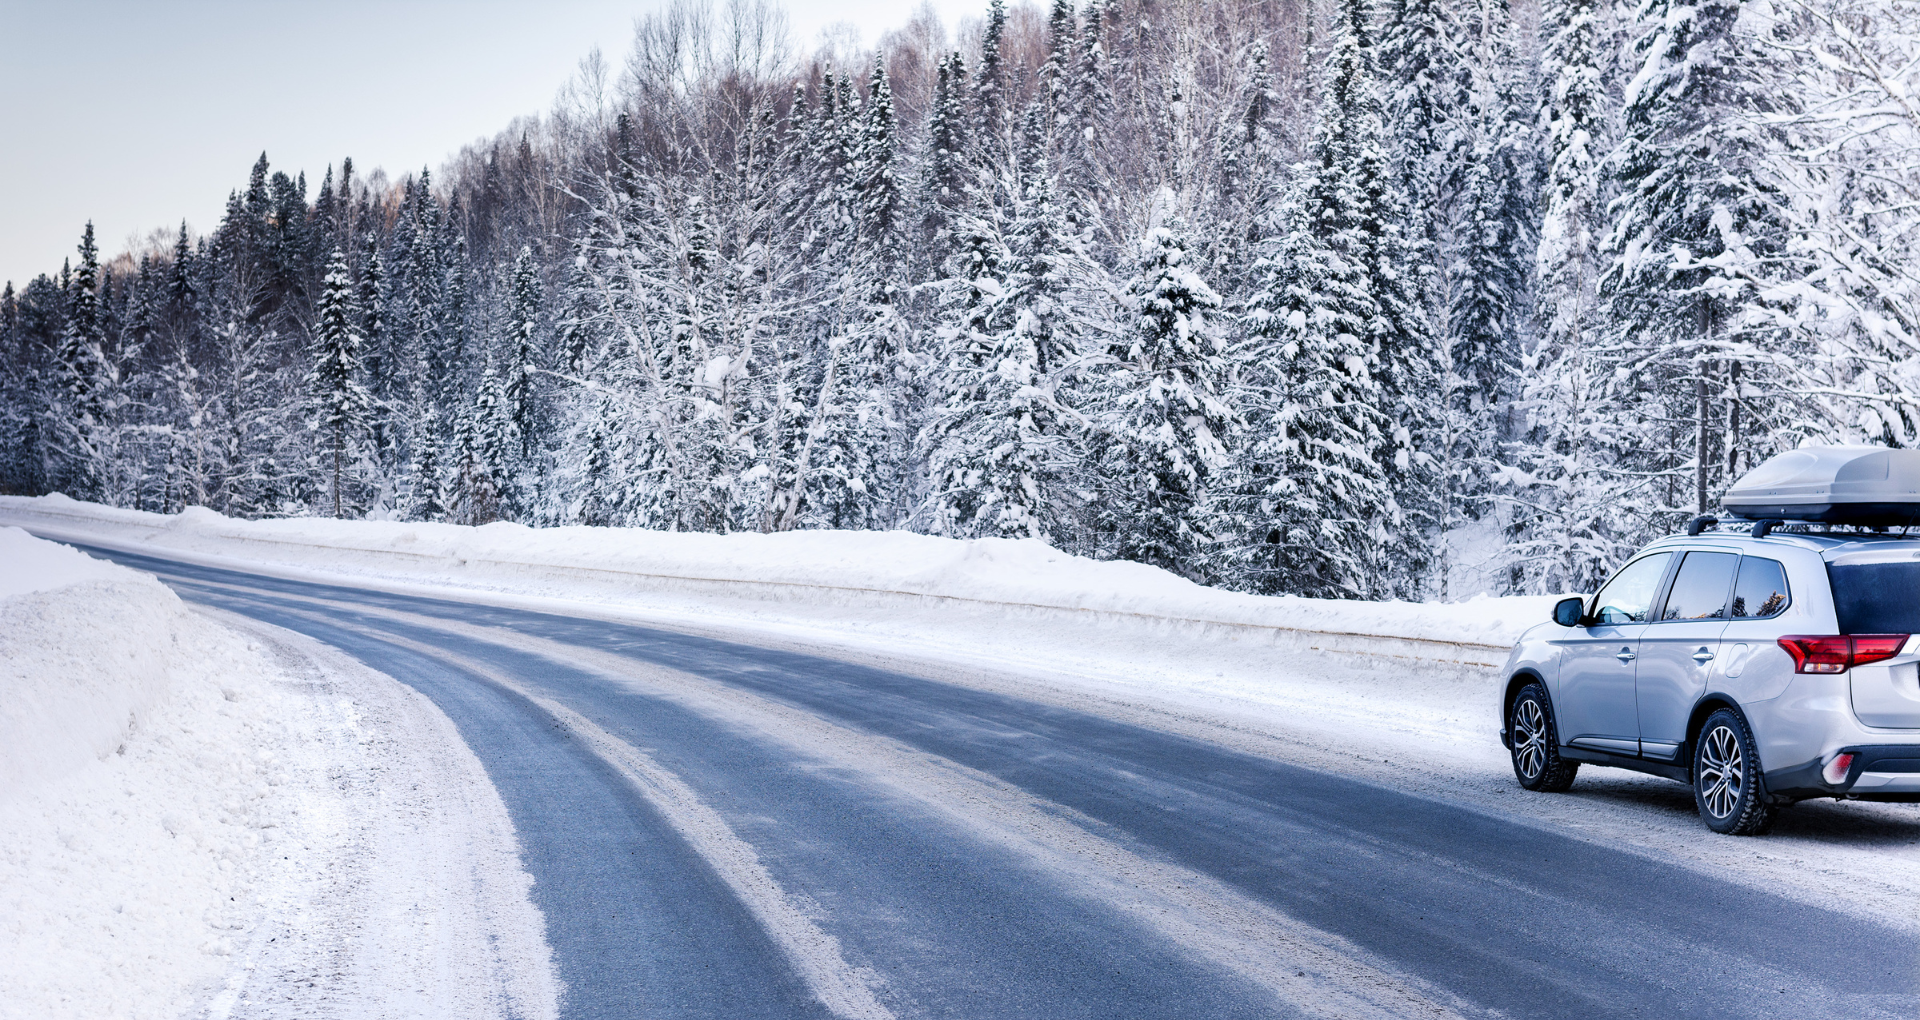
(1723,771)
(1530,738)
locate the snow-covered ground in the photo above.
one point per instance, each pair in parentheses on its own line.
(811,577)
(194,817)
(1402,694)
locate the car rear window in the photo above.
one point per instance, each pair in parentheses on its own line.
(1876,598)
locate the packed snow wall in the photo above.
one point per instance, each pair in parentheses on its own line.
(860,571)
(86,649)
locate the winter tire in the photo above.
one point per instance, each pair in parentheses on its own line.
(1536,743)
(1726,777)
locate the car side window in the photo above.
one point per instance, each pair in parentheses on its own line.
(1628,597)
(1761,590)
(1699,590)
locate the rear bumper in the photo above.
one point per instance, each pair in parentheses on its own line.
(1879,772)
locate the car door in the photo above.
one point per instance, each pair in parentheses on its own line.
(1679,649)
(1595,704)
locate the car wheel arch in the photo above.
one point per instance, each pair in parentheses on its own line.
(1518,680)
(1701,711)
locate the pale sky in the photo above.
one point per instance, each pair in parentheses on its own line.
(137,114)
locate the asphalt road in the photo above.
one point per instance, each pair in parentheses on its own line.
(955,853)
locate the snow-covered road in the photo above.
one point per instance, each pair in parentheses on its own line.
(724,828)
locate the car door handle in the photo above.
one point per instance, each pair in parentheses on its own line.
(1626,655)
(1703,656)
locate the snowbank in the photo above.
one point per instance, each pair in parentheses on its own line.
(168,793)
(851,569)
(86,648)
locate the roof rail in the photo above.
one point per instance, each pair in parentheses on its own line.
(1762,527)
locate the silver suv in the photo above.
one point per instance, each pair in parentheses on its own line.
(1762,666)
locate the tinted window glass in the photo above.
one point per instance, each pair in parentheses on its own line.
(1876,598)
(1629,595)
(1762,588)
(1700,588)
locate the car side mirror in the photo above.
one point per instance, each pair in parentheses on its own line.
(1567,612)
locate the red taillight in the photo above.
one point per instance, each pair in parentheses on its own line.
(1837,653)
(1874,647)
(1830,654)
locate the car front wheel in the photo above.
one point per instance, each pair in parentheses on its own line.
(1726,777)
(1536,744)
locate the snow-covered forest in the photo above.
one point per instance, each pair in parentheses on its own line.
(1283,295)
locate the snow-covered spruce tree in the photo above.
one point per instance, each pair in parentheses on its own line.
(1167,424)
(996,446)
(1420,67)
(523,351)
(1696,231)
(428,497)
(1056,74)
(86,385)
(991,92)
(1042,256)
(1092,97)
(1492,245)
(1562,533)
(1249,178)
(483,439)
(340,399)
(1849,170)
(596,503)
(943,189)
(1352,201)
(1000,447)
(1307,495)
(988,446)
(839,455)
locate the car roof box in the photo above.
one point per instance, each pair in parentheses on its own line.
(1863,485)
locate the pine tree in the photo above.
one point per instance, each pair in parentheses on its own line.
(995,449)
(484,440)
(1421,63)
(1494,236)
(429,499)
(1354,203)
(1248,179)
(990,86)
(340,398)
(1696,234)
(1308,494)
(1169,424)
(87,382)
(596,506)
(944,186)
(523,354)
(1057,71)
(1039,244)
(1092,98)
(1561,538)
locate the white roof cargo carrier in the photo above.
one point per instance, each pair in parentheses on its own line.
(1860,485)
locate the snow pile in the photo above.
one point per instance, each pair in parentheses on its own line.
(136,785)
(76,680)
(850,569)
(167,793)
(32,565)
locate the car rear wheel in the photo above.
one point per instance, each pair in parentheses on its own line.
(1536,744)
(1726,777)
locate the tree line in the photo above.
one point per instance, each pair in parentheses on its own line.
(1290,296)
